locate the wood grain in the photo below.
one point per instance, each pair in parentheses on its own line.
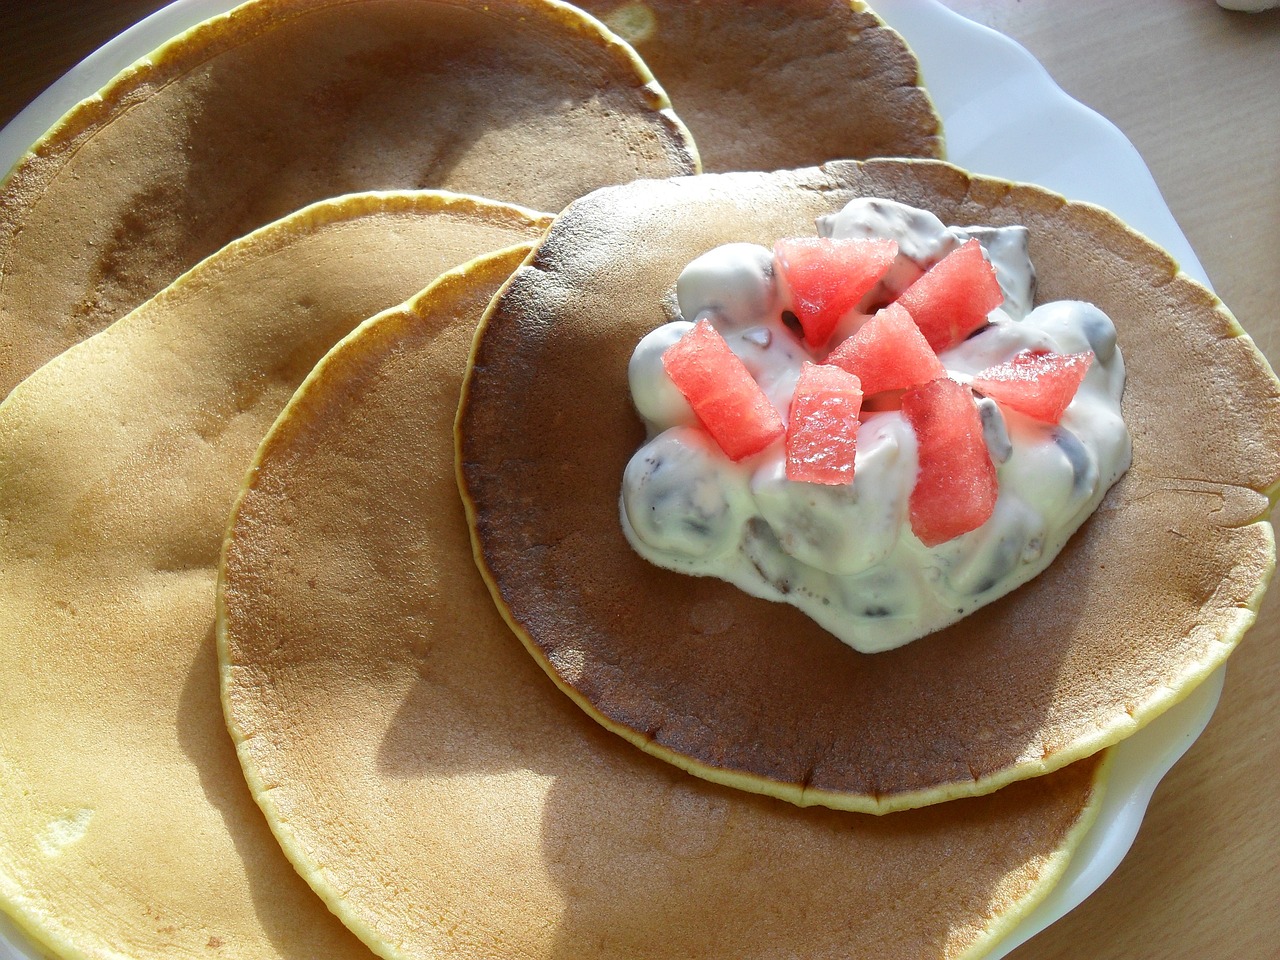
(41,40)
(1197,89)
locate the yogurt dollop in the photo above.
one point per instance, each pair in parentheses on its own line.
(845,554)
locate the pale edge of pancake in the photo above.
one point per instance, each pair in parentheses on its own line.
(293,848)
(1196,672)
(1046,871)
(1051,869)
(349,206)
(940,133)
(207,39)
(585,23)
(12,897)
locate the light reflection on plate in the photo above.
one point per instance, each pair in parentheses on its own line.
(1002,115)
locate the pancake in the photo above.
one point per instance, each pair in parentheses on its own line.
(444,798)
(280,103)
(126,828)
(770,86)
(1145,601)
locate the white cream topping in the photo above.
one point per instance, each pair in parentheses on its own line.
(845,554)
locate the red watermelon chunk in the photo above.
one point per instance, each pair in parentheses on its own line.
(726,399)
(1037,383)
(822,433)
(956,488)
(888,353)
(954,297)
(828,278)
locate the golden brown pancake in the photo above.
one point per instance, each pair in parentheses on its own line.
(765,85)
(126,828)
(444,798)
(281,103)
(1145,601)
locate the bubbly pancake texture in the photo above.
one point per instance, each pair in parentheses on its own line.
(281,103)
(126,828)
(443,797)
(1144,602)
(765,85)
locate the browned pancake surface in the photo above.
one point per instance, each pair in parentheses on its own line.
(765,85)
(280,103)
(1144,602)
(434,786)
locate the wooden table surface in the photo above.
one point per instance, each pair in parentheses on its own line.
(1197,89)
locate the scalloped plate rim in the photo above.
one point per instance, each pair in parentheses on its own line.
(1100,166)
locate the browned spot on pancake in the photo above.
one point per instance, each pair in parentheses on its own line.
(1144,602)
(278,104)
(771,86)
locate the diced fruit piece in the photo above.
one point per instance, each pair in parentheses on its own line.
(727,401)
(888,352)
(953,299)
(822,435)
(828,277)
(956,487)
(1038,384)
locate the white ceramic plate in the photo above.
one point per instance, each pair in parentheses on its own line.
(1003,115)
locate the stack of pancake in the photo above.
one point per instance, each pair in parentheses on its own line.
(259,700)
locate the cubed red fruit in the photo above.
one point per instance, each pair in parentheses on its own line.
(954,297)
(956,487)
(1036,383)
(828,278)
(888,352)
(726,399)
(822,435)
